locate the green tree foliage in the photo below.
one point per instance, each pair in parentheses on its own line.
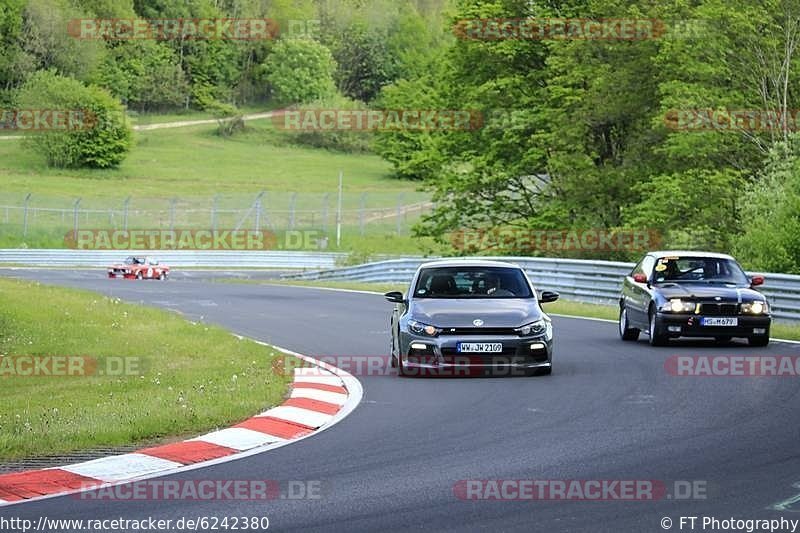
(771,213)
(299,71)
(103,143)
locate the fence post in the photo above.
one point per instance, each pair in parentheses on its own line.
(25,216)
(362,205)
(325,200)
(292,206)
(125,213)
(75,217)
(172,203)
(399,213)
(258,210)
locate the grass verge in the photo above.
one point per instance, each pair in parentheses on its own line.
(145,374)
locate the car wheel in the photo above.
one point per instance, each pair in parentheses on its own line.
(656,337)
(139,275)
(162,276)
(761,340)
(723,338)
(626,333)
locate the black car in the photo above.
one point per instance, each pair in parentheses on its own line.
(471,317)
(692,294)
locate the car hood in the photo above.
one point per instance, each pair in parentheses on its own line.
(708,292)
(460,313)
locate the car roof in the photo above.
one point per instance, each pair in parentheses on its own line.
(689,253)
(467,262)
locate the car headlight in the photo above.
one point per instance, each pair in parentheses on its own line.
(755,308)
(423,329)
(534,328)
(676,305)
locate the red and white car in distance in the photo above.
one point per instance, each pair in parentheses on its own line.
(139,268)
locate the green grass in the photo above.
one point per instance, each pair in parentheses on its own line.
(191,378)
(194,161)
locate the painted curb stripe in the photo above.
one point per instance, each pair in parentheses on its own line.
(188,452)
(319,386)
(273,426)
(121,467)
(313,405)
(320,395)
(24,485)
(238,438)
(306,417)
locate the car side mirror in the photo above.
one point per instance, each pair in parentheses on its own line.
(548,296)
(396,297)
(755,281)
(640,278)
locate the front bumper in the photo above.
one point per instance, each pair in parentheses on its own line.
(439,356)
(689,325)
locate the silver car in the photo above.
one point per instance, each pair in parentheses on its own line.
(471,317)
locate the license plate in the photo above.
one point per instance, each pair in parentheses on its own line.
(479,347)
(719,321)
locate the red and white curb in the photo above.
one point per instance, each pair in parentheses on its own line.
(321,396)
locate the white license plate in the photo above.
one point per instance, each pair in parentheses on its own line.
(719,321)
(479,347)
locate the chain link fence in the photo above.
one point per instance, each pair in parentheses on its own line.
(27,217)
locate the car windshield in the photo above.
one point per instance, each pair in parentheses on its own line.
(698,270)
(472,282)
(134,261)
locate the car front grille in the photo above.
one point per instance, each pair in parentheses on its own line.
(718,309)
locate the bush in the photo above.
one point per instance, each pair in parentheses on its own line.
(299,71)
(104,141)
(350,141)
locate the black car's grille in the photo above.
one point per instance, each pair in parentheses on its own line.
(719,309)
(479,331)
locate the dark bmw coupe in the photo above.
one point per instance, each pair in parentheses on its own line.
(471,317)
(692,294)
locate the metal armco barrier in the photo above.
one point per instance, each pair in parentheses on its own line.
(576,280)
(173,258)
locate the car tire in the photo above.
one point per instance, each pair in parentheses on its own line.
(139,275)
(760,341)
(626,333)
(162,276)
(656,337)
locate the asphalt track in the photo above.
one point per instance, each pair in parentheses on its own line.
(609,411)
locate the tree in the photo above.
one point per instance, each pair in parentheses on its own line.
(102,142)
(299,71)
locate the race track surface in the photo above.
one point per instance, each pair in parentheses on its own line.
(610,411)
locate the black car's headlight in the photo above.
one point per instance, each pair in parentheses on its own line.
(755,308)
(676,305)
(534,328)
(419,328)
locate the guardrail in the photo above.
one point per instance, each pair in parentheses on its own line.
(173,258)
(577,280)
